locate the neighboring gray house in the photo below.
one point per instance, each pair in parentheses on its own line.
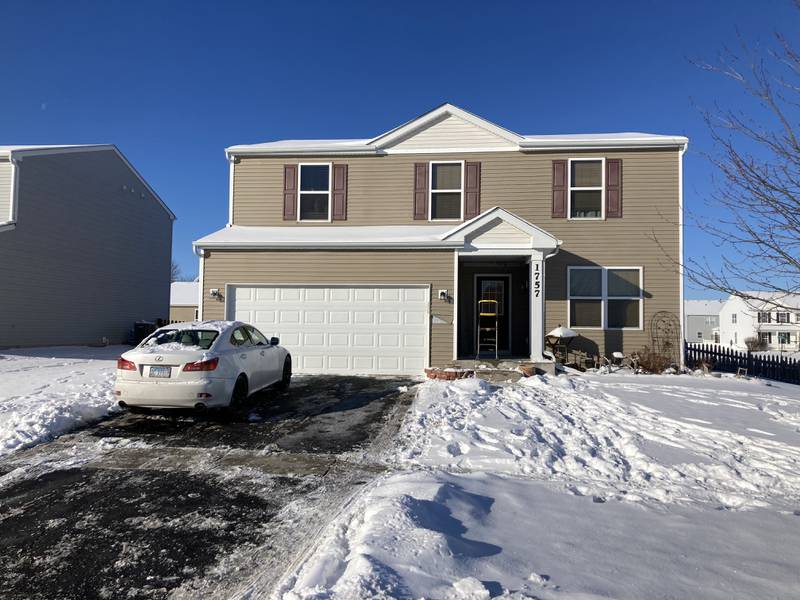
(702,320)
(85,246)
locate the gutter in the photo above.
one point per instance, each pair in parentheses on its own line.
(198,246)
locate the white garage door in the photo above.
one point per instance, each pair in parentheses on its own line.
(341,329)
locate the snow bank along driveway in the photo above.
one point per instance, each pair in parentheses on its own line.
(615,486)
(45,392)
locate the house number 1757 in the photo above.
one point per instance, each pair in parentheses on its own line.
(537,283)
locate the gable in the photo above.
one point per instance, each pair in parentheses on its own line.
(450,132)
(499,234)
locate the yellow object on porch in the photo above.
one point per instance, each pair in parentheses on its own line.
(487,327)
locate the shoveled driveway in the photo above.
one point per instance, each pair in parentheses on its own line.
(151,506)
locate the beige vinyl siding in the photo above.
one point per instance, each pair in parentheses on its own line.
(380,192)
(432,267)
(87,258)
(502,234)
(182,313)
(6,183)
(451,132)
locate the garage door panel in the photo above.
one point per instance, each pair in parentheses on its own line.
(341,329)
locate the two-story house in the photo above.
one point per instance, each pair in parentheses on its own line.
(370,255)
(777,328)
(85,246)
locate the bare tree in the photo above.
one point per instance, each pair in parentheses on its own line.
(175,273)
(757,189)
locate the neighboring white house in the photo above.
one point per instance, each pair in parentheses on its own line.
(702,320)
(779,328)
(183,298)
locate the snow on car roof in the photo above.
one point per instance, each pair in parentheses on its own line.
(215,325)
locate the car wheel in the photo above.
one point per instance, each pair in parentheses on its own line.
(239,395)
(286,379)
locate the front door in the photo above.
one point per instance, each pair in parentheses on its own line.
(496,287)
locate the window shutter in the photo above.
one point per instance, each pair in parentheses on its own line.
(472,190)
(421,191)
(559,189)
(289,192)
(339,209)
(613,187)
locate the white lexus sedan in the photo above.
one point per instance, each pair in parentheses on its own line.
(202,364)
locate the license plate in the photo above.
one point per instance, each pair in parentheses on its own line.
(162,372)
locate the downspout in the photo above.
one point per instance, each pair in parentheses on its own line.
(544,300)
(682,344)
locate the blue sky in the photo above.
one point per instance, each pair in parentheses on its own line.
(173,83)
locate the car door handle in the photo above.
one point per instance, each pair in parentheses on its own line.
(243,356)
(262,353)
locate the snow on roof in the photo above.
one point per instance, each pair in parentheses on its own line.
(220,326)
(532,142)
(790,300)
(326,236)
(6,150)
(703,307)
(184,293)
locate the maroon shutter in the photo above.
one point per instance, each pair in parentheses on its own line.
(472,190)
(559,189)
(339,210)
(613,187)
(421,191)
(289,192)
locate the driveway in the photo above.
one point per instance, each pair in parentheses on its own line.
(150,506)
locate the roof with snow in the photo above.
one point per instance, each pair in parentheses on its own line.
(703,307)
(184,293)
(383,143)
(781,298)
(374,236)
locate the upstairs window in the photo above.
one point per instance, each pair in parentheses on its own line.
(782,317)
(733,318)
(605,298)
(447,191)
(764,317)
(586,182)
(315,192)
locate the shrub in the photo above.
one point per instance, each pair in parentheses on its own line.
(652,361)
(755,344)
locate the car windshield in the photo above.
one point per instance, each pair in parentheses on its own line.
(201,338)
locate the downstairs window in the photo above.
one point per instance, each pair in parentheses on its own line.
(605,297)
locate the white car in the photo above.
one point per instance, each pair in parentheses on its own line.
(203,364)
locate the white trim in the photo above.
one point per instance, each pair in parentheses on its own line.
(681,254)
(411,127)
(201,290)
(444,191)
(329,193)
(230,192)
(506,294)
(604,297)
(455,305)
(449,150)
(594,188)
(464,229)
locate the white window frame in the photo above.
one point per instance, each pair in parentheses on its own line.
(764,314)
(571,189)
(787,335)
(431,190)
(604,298)
(733,318)
(329,193)
(778,317)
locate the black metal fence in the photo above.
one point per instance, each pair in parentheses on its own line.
(720,358)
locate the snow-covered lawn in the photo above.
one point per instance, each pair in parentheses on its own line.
(45,392)
(615,486)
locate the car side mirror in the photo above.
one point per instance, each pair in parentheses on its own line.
(274,341)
